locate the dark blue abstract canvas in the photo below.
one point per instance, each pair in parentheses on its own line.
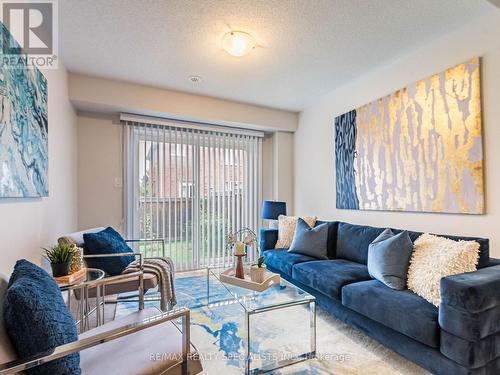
(345,152)
(24,155)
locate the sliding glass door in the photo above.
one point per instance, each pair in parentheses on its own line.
(191,186)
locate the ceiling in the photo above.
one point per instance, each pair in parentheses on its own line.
(306,47)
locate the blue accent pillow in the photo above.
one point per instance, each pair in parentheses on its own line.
(37,319)
(107,241)
(310,241)
(389,258)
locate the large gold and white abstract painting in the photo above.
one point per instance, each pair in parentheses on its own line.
(417,149)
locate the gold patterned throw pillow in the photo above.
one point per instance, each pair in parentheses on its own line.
(286,229)
(436,257)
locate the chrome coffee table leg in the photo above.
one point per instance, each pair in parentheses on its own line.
(248,357)
(312,325)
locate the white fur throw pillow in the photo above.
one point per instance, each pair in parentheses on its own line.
(286,229)
(436,257)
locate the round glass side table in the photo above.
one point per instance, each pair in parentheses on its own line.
(80,288)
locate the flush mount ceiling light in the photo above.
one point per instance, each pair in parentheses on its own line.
(238,43)
(194,79)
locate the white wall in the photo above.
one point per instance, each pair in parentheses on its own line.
(282,182)
(277,168)
(110,96)
(100,201)
(26,225)
(314,173)
(267,167)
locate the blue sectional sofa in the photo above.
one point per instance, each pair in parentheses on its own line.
(462,336)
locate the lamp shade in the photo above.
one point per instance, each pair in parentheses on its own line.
(272,209)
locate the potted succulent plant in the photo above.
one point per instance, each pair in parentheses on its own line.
(60,257)
(258,270)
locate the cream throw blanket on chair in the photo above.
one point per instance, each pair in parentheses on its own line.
(163,269)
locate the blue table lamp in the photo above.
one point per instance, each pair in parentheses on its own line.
(271,210)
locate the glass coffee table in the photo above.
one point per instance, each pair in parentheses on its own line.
(277,297)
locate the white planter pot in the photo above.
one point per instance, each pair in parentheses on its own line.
(257,274)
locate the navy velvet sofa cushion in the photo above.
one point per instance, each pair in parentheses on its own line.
(107,241)
(268,239)
(282,261)
(469,315)
(472,354)
(37,319)
(401,310)
(353,241)
(329,276)
(331,246)
(472,292)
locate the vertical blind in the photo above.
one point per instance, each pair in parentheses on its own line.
(191,185)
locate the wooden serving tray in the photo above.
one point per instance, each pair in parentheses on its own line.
(68,279)
(270,279)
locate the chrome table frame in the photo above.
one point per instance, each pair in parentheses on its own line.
(100,285)
(249,313)
(77,346)
(83,306)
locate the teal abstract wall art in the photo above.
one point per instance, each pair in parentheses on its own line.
(24,157)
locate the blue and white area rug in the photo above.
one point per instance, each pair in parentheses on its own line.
(219,335)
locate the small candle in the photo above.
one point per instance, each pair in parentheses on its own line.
(239,248)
